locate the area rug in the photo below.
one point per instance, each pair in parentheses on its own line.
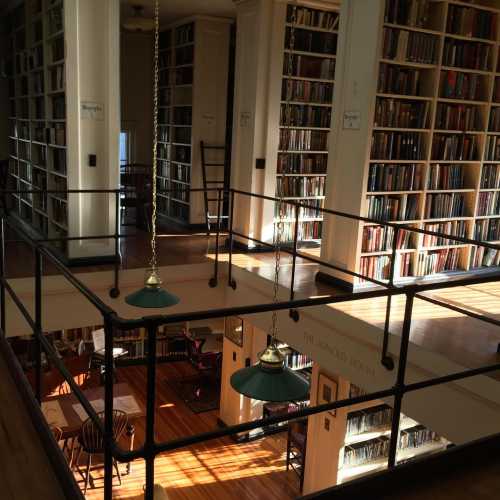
(199,395)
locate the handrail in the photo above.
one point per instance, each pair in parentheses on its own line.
(111,321)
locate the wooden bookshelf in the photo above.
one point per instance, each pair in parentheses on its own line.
(37,137)
(192,100)
(432,122)
(305,110)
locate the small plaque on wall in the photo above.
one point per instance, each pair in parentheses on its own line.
(233,330)
(327,391)
(92,111)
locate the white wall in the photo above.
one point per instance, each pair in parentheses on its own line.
(136,66)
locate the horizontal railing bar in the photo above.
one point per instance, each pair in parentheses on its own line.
(83,289)
(18,303)
(473,372)
(84,238)
(461,310)
(312,259)
(254,424)
(127,324)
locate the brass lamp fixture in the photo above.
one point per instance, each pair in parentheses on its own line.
(152,295)
(270,380)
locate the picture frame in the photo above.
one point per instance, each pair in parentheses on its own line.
(327,391)
(233,330)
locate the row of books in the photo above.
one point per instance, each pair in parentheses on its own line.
(490,177)
(55,20)
(59,211)
(309,67)
(57,49)
(181,135)
(471,22)
(360,453)
(163,133)
(481,256)
(59,183)
(183,115)
(303,140)
(308,230)
(381,239)
(164,97)
(368,420)
(393,177)
(59,161)
(302,90)
(416,436)
(488,203)
(184,55)
(302,163)
(297,361)
(313,17)
(455,147)
(59,107)
(38,108)
(301,186)
(305,116)
(393,208)
(311,41)
(183,76)
(304,213)
(57,134)
(492,149)
(487,230)
(398,146)
(446,176)
(39,155)
(458,117)
(57,78)
(164,59)
(458,85)
(393,79)
(407,12)
(444,205)
(184,34)
(401,113)
(451,228)
(437,261)
(409,46)
(464,54)
(494,122)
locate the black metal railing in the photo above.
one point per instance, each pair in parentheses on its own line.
(151,448)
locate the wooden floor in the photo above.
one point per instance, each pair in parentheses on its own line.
(25,471)
(216,470)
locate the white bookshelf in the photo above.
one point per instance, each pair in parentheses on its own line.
(48,137)
(453,112)
(194,58)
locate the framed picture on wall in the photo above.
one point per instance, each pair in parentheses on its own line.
(327,391)
(234,330)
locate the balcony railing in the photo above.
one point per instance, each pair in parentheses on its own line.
(112,321)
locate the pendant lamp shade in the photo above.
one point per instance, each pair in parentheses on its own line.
(270,380)
(153,295)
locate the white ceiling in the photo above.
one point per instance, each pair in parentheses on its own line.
(171,10)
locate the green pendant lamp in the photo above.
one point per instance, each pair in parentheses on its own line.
(270,380)
(153,295)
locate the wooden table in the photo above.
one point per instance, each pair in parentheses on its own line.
(73,420)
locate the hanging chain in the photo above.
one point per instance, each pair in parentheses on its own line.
(278,227)
(155,132)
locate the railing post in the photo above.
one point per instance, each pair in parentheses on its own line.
(294,314)
(231,282)
(38,325)
(108,408)
(213,281)
(387,360)
(149,442)
(400,380)
(2,274)
(115,291)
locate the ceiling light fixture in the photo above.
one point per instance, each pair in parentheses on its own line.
(152,295)
(138,22)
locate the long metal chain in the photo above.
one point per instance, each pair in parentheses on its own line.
(279,226)
(155,131)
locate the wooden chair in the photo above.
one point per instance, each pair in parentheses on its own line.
(97,358)
(296,448)
(91,442)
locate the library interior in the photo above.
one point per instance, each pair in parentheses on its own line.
(250,249)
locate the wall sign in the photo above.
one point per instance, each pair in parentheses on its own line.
(352,120)
(92,111)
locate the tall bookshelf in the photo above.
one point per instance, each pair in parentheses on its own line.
(307,85)
(432,123)
(194,57)
(37,115)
